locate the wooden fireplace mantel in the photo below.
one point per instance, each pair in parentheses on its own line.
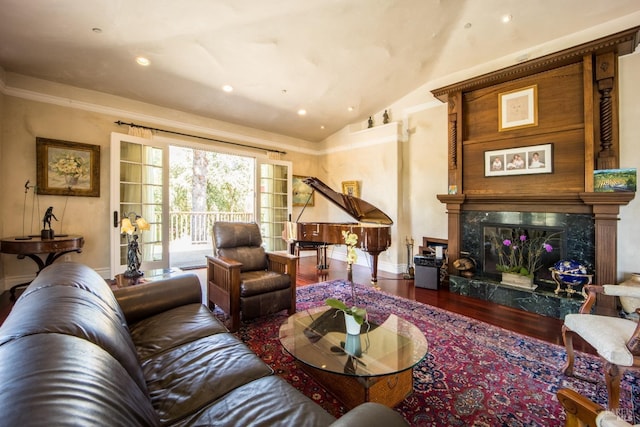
(576,107)
(578,203)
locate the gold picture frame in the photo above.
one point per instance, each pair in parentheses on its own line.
(302,194)
(351,188)
(67,168)
(518,108)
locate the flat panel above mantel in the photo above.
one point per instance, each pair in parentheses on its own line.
(552,202)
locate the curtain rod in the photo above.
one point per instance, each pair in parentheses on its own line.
(121,123)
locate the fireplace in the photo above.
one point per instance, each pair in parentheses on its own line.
(571,236)
(495,252)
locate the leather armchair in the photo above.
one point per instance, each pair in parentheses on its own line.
(243,278)
(616,339)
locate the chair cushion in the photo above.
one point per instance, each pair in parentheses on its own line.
(260,282)
(609,419)
(193,375)
(252,258)
(173,328)
(608,335)
(234,234)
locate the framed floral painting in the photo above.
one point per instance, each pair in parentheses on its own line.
(67,168)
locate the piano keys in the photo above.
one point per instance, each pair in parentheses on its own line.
(373,227)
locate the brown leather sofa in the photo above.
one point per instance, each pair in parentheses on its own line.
(71,353)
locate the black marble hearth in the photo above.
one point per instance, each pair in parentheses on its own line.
(540,301)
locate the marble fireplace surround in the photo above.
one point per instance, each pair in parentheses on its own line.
(589,219)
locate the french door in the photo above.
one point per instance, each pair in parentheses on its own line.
(274,180)
(139,187)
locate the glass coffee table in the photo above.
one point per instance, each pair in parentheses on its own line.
(375,366)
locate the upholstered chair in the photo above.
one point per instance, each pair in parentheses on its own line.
(245,280)
(582,412)
(616,339)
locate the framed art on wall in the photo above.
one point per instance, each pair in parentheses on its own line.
(67,168)
(518,108)
(533,159)
(302,193)
(351,188)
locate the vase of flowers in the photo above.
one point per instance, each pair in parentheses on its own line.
(520,256)
(354,316)
(132,226)
(70,167)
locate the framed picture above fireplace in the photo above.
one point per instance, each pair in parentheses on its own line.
(533,159)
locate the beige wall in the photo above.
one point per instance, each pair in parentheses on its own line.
(32,108)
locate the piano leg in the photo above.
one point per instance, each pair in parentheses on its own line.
(321,258)
(374,268)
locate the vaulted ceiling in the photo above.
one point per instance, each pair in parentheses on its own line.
(340,60)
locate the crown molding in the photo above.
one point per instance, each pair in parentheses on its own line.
(146,118)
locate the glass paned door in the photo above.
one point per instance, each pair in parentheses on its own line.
(275,203)
(138,188)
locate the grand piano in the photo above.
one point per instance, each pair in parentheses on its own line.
(373,227)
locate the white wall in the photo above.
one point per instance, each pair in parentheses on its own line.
(629,226)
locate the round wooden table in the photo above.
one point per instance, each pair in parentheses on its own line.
(36,246)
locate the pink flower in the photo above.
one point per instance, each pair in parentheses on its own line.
(523,238)
(506,242)
(548,247)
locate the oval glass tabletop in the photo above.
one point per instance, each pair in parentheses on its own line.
(317,337)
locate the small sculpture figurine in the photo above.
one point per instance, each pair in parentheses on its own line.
(46,222)
(370,122)
(385,117)
(133,258)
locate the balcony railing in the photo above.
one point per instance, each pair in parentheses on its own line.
(198,225)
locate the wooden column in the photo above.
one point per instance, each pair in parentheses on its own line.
(454,209)
(606,207)
(605,73)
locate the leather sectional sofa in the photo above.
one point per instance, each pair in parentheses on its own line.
(72,353)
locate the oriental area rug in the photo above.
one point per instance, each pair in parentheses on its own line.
(474,374)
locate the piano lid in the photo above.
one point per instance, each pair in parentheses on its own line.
(357,208)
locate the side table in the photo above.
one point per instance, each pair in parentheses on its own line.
(36,246)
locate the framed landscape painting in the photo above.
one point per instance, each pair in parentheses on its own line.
(302,193)
(67,168)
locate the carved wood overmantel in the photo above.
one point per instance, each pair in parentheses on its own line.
(577,107)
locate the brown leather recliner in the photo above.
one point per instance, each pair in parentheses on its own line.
(243,278)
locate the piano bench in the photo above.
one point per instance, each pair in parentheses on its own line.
(320,250)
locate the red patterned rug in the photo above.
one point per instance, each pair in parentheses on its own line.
(474,374)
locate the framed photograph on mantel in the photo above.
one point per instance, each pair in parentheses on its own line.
(518,108)
(66,168)
(533,159)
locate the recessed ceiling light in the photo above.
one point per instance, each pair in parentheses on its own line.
(96,30)
(467,25)
(302,112)
(227,88)
(350,109)
(506,18)
(141,60)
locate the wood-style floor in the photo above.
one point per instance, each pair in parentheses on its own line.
(533,325)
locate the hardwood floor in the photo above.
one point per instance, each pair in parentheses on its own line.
(541,327)
(533,325)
